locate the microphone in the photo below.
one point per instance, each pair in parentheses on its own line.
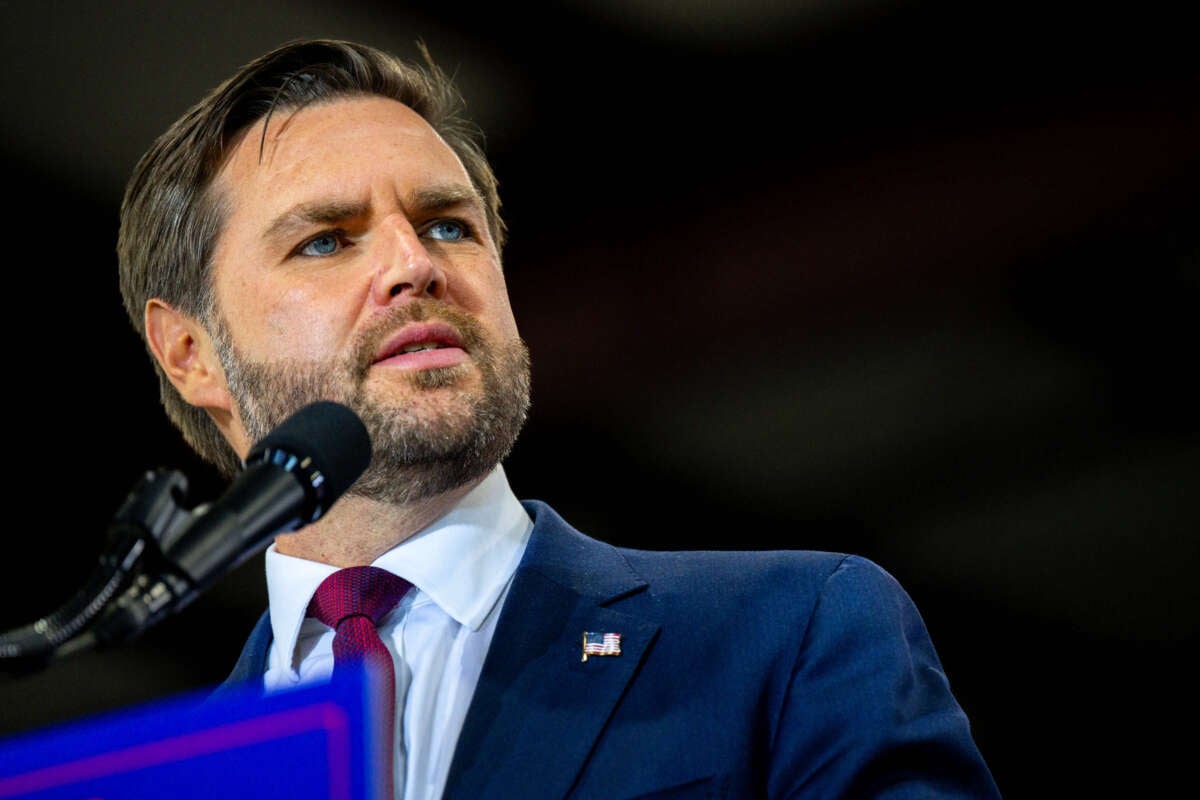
(290,479)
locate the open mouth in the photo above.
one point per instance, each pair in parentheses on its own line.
(423,345)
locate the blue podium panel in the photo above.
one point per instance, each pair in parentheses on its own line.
(313,743)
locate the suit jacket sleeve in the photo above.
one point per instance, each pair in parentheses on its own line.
(870,712)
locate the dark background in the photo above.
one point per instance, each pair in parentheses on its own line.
(915,280)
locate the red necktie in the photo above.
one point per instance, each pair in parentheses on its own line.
(352,601)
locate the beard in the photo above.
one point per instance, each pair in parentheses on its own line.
(420,447)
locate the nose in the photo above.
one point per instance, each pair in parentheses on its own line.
(404,267)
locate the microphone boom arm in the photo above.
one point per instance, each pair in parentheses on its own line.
(151,511)
(289,479)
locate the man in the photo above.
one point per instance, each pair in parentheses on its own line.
(324,225)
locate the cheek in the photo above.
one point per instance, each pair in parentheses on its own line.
(295,324)
(499,310)
(506,321)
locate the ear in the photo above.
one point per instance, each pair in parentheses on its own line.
(184,350)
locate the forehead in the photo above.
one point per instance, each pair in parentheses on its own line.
(347,146)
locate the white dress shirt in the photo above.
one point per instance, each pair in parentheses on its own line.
(461,567)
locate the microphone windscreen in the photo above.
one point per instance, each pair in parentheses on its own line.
(329,435)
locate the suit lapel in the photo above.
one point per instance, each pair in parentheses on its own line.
(539,706)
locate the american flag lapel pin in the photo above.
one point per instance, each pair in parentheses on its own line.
(601,644)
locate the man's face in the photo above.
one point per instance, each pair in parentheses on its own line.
(355,265)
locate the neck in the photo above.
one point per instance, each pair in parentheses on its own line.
(358,530)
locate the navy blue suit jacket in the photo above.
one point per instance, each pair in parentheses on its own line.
(756,674)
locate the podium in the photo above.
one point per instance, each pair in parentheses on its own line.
(310,743)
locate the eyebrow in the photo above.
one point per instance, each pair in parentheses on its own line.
(306,215)
(329,212)
(437,198)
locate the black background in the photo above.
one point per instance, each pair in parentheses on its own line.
(915,280)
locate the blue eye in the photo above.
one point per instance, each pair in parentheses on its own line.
(450,230)
(322,245)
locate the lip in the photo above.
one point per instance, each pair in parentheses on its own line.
(449,350)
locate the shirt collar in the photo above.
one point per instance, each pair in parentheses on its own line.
(462,562)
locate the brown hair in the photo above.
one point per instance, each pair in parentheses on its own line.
(171,217)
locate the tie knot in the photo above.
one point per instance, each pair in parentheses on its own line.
(357,591)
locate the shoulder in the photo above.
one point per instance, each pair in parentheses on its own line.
(782,583)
